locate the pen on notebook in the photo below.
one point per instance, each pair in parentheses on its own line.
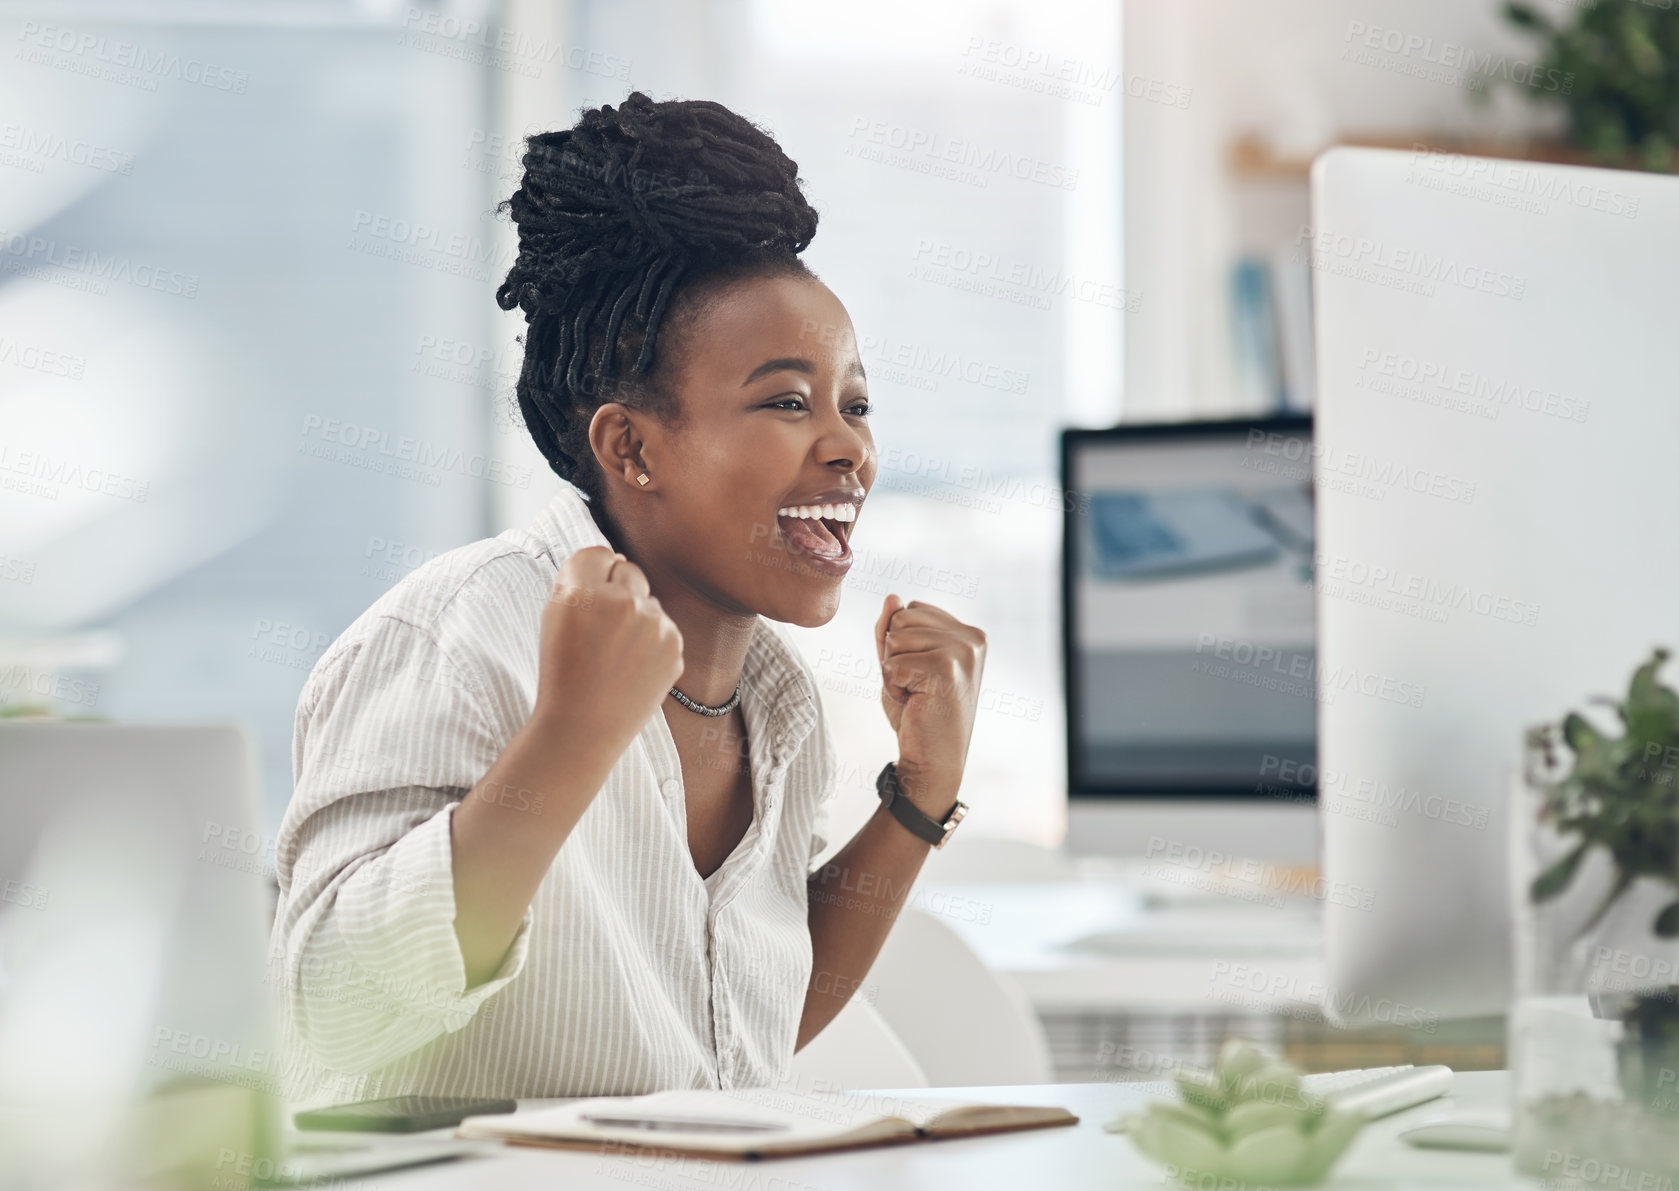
(683,1124)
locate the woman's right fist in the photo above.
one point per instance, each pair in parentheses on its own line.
(609,654)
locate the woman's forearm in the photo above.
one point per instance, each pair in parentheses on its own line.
(510,826)
(855,899)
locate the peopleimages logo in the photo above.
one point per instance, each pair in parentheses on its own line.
(1447,58)
(1296,664)
(1461,388)
(27,681)
(1516,184)
(983,480)
(1331,463)
(1336,789)
(937,146)
(1437,595)
(149,64)
(1271,877)
(1018,281)
(43,360)
(1238,980)
(17,570)
(1379,259)
(920,365)
(1565,1170)
(413,458)
(31,148)
(46,475)
(517,49)
(93,269)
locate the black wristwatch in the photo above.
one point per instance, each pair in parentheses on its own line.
(920,824)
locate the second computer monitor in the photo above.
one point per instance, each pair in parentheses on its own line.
(1190,645)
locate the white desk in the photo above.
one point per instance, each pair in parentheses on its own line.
(1066,1159)
(1178,971)
(1176,959)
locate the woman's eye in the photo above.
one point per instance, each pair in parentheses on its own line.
(861,409)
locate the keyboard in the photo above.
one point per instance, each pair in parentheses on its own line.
(1380,1091)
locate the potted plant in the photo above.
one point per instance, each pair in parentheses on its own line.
(1249,1122)
(1621,794)
(1595,1028)
(1615,73)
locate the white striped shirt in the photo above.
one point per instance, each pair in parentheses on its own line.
(630,973)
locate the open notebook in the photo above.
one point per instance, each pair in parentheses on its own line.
(755,1123)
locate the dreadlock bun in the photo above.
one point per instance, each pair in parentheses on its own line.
(616,217)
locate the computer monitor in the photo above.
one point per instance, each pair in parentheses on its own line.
(135,1015)
(1189,644)
(1496,428)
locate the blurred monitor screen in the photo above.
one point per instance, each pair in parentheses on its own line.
(1188,609)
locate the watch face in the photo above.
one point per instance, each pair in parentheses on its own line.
(957,813)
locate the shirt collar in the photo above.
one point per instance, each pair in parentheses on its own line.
(778,696)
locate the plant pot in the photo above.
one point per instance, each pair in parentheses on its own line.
(1594,1029)
(1648,1054)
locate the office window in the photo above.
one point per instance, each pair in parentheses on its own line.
(224,250)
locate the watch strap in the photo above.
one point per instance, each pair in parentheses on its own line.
(919,823)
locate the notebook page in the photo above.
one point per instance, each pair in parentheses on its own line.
(802,1120)
(921,1112)
(936,1116)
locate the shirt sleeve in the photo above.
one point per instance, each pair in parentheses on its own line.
(391,734)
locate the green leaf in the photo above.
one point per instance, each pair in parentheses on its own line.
(1237,1059)
(1650,706)
(1658,153)
(1202,1089)
(1328,1142)
(1253,1115)
(1667,922)
(1556,878)
(1620,791)
(1581,736)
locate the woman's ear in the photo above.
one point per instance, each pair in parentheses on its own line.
(615,436)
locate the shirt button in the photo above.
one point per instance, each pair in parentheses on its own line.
(671,787)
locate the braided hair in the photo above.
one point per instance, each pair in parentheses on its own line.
(627,222)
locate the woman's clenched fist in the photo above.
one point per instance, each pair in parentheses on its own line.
(609,654)
(930,669)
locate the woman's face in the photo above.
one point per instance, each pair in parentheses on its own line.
(759,487)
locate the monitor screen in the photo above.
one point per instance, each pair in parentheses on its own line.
(1190,639)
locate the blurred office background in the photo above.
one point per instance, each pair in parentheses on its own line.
(252,372)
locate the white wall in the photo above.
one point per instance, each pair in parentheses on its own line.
(1289,71)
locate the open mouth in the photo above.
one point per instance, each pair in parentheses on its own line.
(821,533)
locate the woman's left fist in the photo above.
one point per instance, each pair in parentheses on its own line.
(930,667)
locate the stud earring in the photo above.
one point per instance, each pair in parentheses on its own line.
(644,479)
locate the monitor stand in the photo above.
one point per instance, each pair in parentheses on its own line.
(1252,829)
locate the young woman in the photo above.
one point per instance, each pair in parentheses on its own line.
(558,791)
